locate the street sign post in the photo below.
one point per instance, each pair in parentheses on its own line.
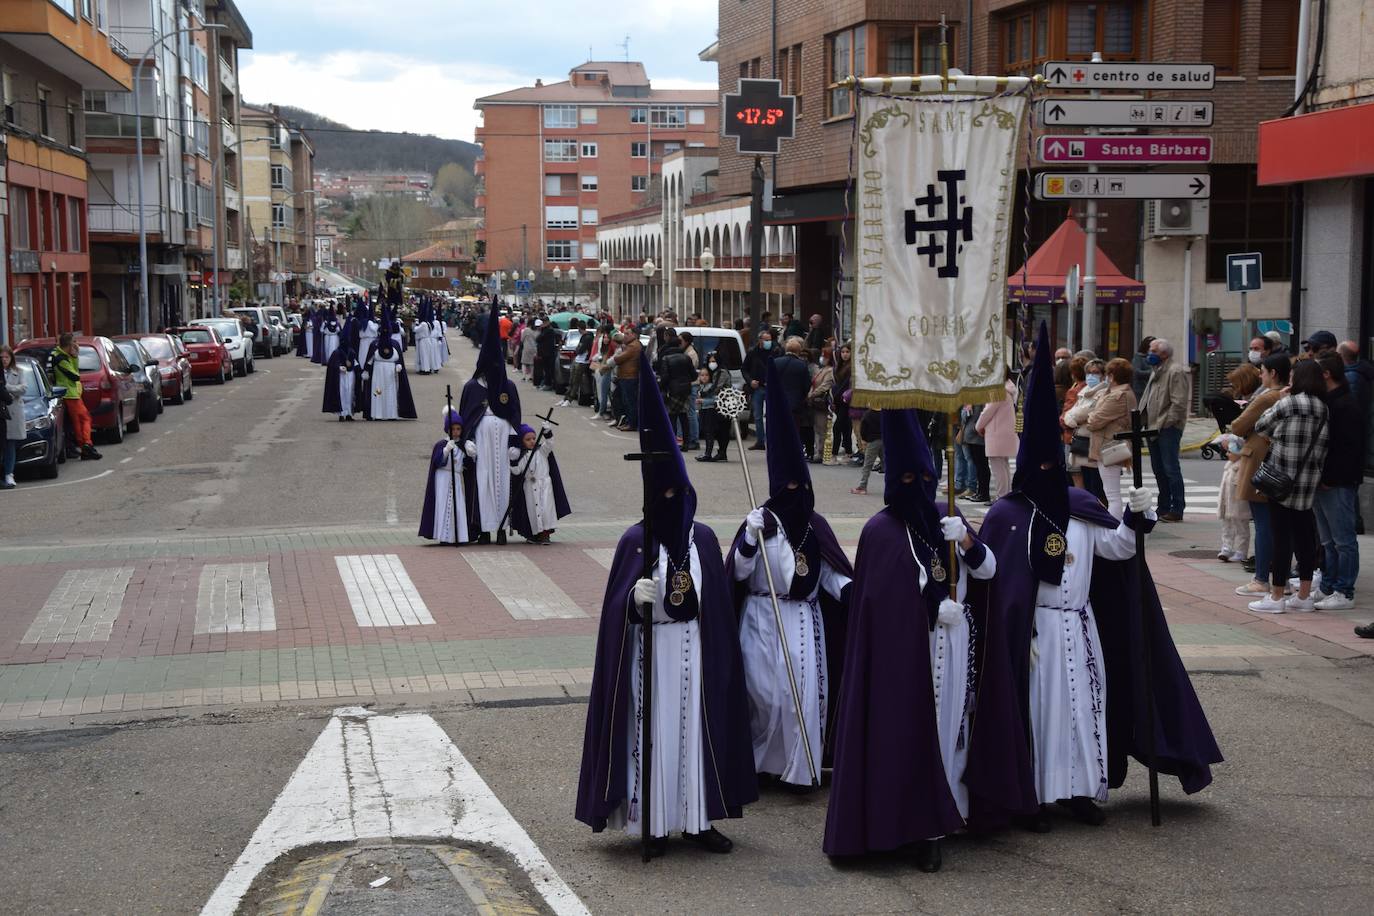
(1122,185)
(1153,150)
(1079,74)
(1123,113)
(523,287)
(1244,275)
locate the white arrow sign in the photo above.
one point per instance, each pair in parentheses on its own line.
(1122,185)
(1071,74)
(1119,113)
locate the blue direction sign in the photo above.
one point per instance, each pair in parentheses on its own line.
(523,287)
(1243,272)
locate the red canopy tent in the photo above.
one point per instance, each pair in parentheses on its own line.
(1046,269)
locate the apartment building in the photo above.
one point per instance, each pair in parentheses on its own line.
(560,157)
(50,53)
(814,44)
(1326,149)
(279,201)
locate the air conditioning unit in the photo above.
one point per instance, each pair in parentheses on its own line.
(1165,218)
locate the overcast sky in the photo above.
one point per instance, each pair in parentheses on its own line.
(417,65)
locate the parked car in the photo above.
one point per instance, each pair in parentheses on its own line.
(44,415)
(276,316)
(567,348)
(173,364)
(108,384)
(232,332)
(269,340)
(210,358)
(149,379)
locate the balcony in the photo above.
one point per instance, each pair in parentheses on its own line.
(233,259)
(115,124)
(228,80)
(116,219)
(70,45)
(228,134)
(233,198)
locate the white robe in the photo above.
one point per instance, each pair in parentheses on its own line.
(492,438)
(539,502)
(425,360)
(441,342)
(444,481)
(778,745)
(309,332)
(1068,684)
(678,787)
(331,343)
(346,378)
(367,335)
(383,386)
(949,668)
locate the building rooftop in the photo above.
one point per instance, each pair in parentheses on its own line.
(439,251)
(601,82)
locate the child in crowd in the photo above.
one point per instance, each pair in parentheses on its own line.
(1233,511)
(445,515)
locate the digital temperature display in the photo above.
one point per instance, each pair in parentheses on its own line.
(759,116)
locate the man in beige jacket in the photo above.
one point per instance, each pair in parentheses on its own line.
(1167,399)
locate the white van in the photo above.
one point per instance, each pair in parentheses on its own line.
(728,347)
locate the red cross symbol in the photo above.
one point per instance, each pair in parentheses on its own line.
(1078,75)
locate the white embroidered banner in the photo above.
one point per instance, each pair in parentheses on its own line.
(935,182)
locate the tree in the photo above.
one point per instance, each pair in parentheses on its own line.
(454,185)
(388,227)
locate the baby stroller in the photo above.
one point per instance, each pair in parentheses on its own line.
(1224,410)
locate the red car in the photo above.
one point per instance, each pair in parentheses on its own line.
(207,352)
(109,385)
(173,364)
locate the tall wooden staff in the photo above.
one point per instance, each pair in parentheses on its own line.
(452,459)
(731,403)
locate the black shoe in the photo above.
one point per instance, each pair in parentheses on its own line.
(705,457)
(341,418)
(979,498)
(657,846)
(796,789)
(88,453)
(711,840)
(349,418)
(1085,810)
(756,447)
(501,537)
(1366,631)
(1039,822)
(1248,565)
(928,857)
(484,538)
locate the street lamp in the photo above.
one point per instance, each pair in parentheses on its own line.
(707,260)
(557,276)
(572,275)
(144,318)
(530,295)
(605,270)
(649,271)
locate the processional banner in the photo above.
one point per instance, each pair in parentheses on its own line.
(935,182)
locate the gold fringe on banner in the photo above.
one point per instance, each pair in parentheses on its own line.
(927,400)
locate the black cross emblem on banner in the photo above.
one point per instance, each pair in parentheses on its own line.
(956,221)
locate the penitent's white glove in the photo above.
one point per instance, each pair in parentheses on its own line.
(646,592)
(753,522)
(400,368)
(951,613)
(954,528)
(451,446)
(470,448)
(1140,499)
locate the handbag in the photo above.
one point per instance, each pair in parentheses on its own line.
(1114,453)
(1080,445)
(1276,483)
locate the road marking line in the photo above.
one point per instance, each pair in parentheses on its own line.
(142,449)
(235,598)
(607,432)
(394,776)
(126,460)
(82,607)
(68,483)
(525,591)
(380,591)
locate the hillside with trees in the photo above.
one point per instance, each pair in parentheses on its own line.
(338,146)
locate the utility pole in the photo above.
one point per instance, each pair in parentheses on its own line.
(1090,255)
(524,249)
(756,250)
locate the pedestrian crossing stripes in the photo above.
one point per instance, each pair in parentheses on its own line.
(82,608)
(380,591)
(602,555)
(523,589)
(235,598)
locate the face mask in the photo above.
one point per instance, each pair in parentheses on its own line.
(1153,359)
(711,366)
(768,344)
(1257,356)
(1093,380)
(1234,446)
(823,361)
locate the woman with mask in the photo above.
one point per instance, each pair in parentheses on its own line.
(1111,414)
(1083,467)
(715,429)
(818,405)
(1274,374)
(844,423)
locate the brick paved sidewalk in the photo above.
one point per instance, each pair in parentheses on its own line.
(88,627)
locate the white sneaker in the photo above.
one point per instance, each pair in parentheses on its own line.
(1336,602)
(1224,556)
(1267,606)
(1238,557)
(563,403)
(1298,605)
(1293,583)
(1318,596)
(1252,590)
(9,480)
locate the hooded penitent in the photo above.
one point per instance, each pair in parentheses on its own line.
(342,360)
(1045,488)
(672,516)
(786,464)
(498,394)
(906,451)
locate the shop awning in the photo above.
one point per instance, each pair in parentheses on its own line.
(1337,143)
(1045,272)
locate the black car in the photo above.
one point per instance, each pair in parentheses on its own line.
(44,420)
(145,372)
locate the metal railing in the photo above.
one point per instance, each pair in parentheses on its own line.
(116,218)
(116,124)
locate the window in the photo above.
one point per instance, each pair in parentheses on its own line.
(279,216)
(589,182)
(73,128)
(21,233)
(1246,217)
(436,273)
(848,53)
(205,205)
(589,151)
(7,96)
(44,127)
(553,185)
(639,115)
(587,115)
(73,224)
(1106,27)
(789,71)
(1220,34)
(590,251)
(560,150)
(667,116)
(560,117)
(202,137)
(278,178)
(1278,50)
(639,182)
(560,217)
(200,68)
(590,217)
(897,51)
(928,49)
(1025,41)
(560,250)
(698,115)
